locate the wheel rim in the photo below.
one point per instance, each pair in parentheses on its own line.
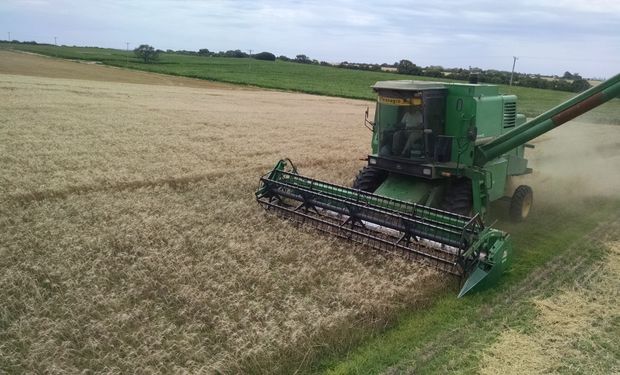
(527,205)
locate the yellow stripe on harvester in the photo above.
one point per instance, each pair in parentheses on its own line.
(400,101)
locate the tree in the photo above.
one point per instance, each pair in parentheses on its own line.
(407,67)
(234,53)
(204,52)
(146,53)
(429,72)
(579,85)
(265,56)
(303,59)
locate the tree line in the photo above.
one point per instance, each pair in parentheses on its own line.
(572,82)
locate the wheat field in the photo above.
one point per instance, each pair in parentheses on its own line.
(130,240)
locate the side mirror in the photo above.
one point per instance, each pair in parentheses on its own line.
(366,122)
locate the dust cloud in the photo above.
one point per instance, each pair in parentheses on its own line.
(578,160)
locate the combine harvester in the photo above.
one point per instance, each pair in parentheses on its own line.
(441,153)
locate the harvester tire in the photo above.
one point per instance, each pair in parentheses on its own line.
(458,197)
(369,179)
(521,203)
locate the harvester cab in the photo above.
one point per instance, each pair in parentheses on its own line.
(425,134)
(440,154)
(408,122)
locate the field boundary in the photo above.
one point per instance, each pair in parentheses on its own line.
(128,75)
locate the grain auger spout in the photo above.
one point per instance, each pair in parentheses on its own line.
(440,154)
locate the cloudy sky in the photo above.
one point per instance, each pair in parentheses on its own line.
(548,36)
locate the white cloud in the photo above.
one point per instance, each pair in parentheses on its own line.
(575,35)
(578,6)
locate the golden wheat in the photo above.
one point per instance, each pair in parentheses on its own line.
(130,240)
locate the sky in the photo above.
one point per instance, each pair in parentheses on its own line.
(548,37)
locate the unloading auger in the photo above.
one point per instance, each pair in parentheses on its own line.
(441,153)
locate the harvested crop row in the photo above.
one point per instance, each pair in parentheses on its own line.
(576,330)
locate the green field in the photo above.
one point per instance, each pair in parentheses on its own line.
(321,80)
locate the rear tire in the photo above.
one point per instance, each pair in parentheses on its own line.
(458,197)
(521,203)
(369,179)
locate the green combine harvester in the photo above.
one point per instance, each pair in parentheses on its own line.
(441,153)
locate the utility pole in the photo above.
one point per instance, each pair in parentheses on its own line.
(127,54)
(250,60)
(514,61)
(9,37)
(55,41)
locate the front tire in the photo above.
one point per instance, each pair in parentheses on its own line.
(521,203)
(369,179)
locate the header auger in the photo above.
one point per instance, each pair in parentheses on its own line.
(441,153)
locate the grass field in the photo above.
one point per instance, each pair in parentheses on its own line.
(281,75)
(130,242)
(574,331)
(477,335)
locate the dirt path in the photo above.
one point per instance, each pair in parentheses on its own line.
(29,64)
